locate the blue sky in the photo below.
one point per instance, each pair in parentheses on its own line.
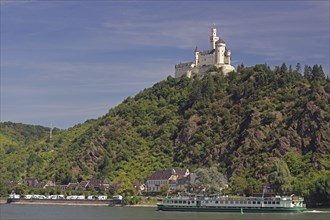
(64,62)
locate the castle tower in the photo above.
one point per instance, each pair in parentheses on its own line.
(196,56)
(213,38)
(220,52)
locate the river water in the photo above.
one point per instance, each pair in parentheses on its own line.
(58,212)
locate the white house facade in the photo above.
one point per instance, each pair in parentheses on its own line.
(165,177)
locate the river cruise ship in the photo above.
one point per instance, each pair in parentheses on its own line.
(291,203)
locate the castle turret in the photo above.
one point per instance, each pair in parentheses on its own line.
(213,38)
(227,56)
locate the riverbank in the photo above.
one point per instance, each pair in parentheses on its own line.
(143,205)
(83,204)
(65,202)
(3,200)
(75,203)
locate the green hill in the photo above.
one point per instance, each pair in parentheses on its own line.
(258,125)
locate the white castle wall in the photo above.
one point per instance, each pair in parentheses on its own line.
(206,59)
(183,69)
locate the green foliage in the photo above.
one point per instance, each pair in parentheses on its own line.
(297,163)
(322,189)
(126,189)
(238,184)
(4,191)
(280,177)
(209,181)
(131,200)
(164,189)
(21,189)
(268,118)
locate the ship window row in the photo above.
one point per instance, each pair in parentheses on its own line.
(180,202)
(271,202)
(234,202)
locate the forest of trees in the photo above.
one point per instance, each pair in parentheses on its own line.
(257,125)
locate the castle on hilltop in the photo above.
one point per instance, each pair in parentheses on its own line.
(218,55)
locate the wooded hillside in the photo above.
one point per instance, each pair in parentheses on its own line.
(255,126)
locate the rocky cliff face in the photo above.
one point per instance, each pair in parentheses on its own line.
(244,135)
